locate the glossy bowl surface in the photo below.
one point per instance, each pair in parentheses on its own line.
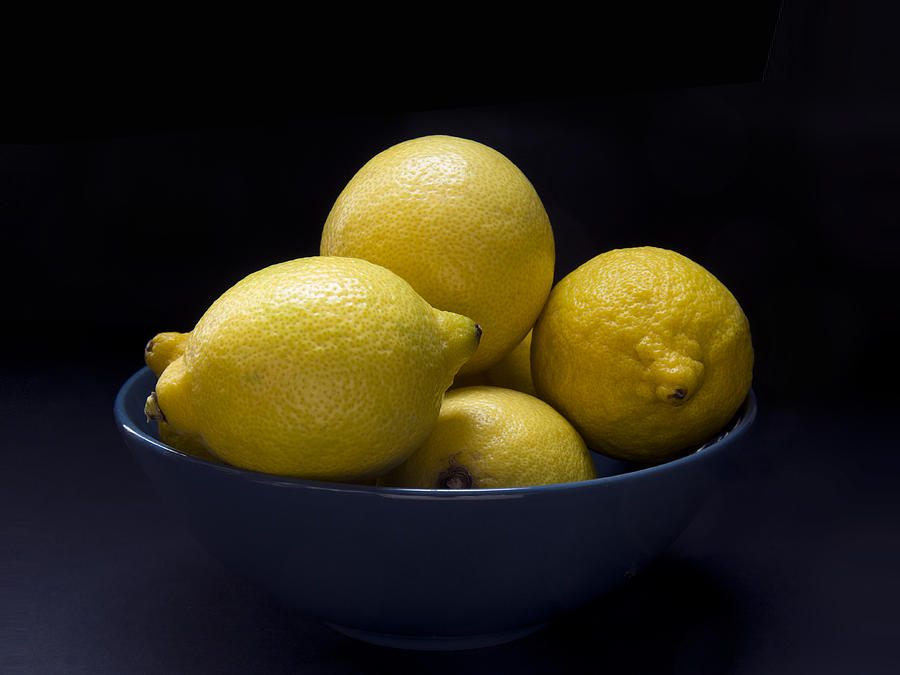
(430,569)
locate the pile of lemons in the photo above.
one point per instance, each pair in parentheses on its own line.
(427,346)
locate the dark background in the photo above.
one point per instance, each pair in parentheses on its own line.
(130,200)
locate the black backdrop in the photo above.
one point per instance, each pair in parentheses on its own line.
(126,207)
(131,211)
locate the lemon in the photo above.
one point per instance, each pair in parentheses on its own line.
(492,437)
(514,370)
(158,354)
(163,349)
(644,351)
(188,444)
(326,368)
(462,224)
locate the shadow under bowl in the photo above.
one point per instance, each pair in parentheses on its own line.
(430,569)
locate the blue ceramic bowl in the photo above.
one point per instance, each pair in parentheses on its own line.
(430,569)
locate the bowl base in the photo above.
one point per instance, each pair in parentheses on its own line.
(437,642)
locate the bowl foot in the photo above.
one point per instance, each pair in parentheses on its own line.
(437,642)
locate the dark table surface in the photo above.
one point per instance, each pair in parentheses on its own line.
(790,568)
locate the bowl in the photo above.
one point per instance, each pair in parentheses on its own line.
(431,569)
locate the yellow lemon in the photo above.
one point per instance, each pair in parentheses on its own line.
(462,224)
(326,368)
(492,437)
(514,370)
(644,351)
(163,349)
(158,354)
(189,445)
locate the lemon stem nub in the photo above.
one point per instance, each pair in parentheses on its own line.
(676,396)
(477,333)
(455,477)
(152,409)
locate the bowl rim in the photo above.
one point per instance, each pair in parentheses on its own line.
(740,424)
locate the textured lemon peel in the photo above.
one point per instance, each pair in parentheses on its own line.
(332,393)
(164,348)
(462,224)
(642,372)
(500,438)
(676,376)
